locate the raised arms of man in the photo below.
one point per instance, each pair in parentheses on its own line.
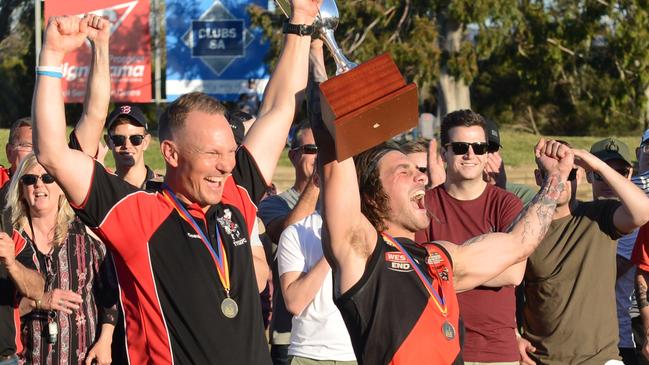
(265,140)
(95,106)
(72,169)
(309,196)
(352,237)
(633,212)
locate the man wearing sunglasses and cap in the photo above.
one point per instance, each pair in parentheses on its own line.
(570,311)
(617,155)
(128,137)
(465,206)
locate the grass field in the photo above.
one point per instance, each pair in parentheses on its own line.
(517,153)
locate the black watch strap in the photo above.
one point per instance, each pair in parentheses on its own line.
(299,29)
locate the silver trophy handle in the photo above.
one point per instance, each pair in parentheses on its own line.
(325,24)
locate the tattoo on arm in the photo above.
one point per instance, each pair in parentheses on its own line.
(475,239)
(543,206)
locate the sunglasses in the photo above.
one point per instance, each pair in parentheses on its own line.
(307,149)
(462,148)
(624,172)
(31,179)
(120,140)
(572,176)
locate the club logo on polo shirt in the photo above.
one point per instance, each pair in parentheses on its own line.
(396,261)
(434,259)
(443,274)
(231,228)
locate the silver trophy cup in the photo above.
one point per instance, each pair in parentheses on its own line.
(325,24)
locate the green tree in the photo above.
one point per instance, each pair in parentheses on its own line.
(570,67)
(370,28)
(16,59)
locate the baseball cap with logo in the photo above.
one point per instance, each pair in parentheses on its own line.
(493,135)
(612,149)
(129,111)
(236,119)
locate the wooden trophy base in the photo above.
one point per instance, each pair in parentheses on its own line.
(368,105)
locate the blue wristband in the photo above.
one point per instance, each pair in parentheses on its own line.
(55,74)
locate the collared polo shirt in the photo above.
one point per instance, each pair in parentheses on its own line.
(169,285)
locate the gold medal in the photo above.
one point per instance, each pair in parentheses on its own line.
(229,307)
(448,330)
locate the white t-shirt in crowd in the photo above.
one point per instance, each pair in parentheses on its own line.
(319,331)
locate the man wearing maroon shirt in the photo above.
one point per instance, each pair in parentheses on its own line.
(465,206)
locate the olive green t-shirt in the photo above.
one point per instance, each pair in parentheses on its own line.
(570,314)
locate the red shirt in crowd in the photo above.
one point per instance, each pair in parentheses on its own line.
(640,254)
(488,313)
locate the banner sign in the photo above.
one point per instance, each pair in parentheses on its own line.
(212,47)
(130,49)
(217,38)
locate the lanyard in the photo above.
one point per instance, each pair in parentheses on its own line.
(220,258)
(439,301)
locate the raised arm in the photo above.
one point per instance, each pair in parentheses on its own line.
(348,238)
(266,138)
(484,257)
(633,212)
(95,106)
(72,169)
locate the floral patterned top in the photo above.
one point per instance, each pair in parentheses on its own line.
(81,264)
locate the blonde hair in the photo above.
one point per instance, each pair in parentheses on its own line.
(20,211)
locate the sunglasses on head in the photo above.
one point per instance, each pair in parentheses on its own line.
(623,171)
(120,140)
(462,148)
(572,176)
(307,149)
(31,179)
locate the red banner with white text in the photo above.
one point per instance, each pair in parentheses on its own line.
(130,49)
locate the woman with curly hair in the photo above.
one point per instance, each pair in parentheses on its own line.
(74,320)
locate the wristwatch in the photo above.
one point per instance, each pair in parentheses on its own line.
(299,29)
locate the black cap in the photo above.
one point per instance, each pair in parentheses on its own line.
(236,120)
(130,111)
(493,136)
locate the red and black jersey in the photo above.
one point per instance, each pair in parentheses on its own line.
(169,286)
(5,176)
(391,317)
(10,343)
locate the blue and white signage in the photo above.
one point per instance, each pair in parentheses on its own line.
(212,47)
(217,38)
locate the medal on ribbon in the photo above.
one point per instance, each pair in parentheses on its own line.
(447,328)
(229,306)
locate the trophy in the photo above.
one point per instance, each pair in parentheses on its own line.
(363,105)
